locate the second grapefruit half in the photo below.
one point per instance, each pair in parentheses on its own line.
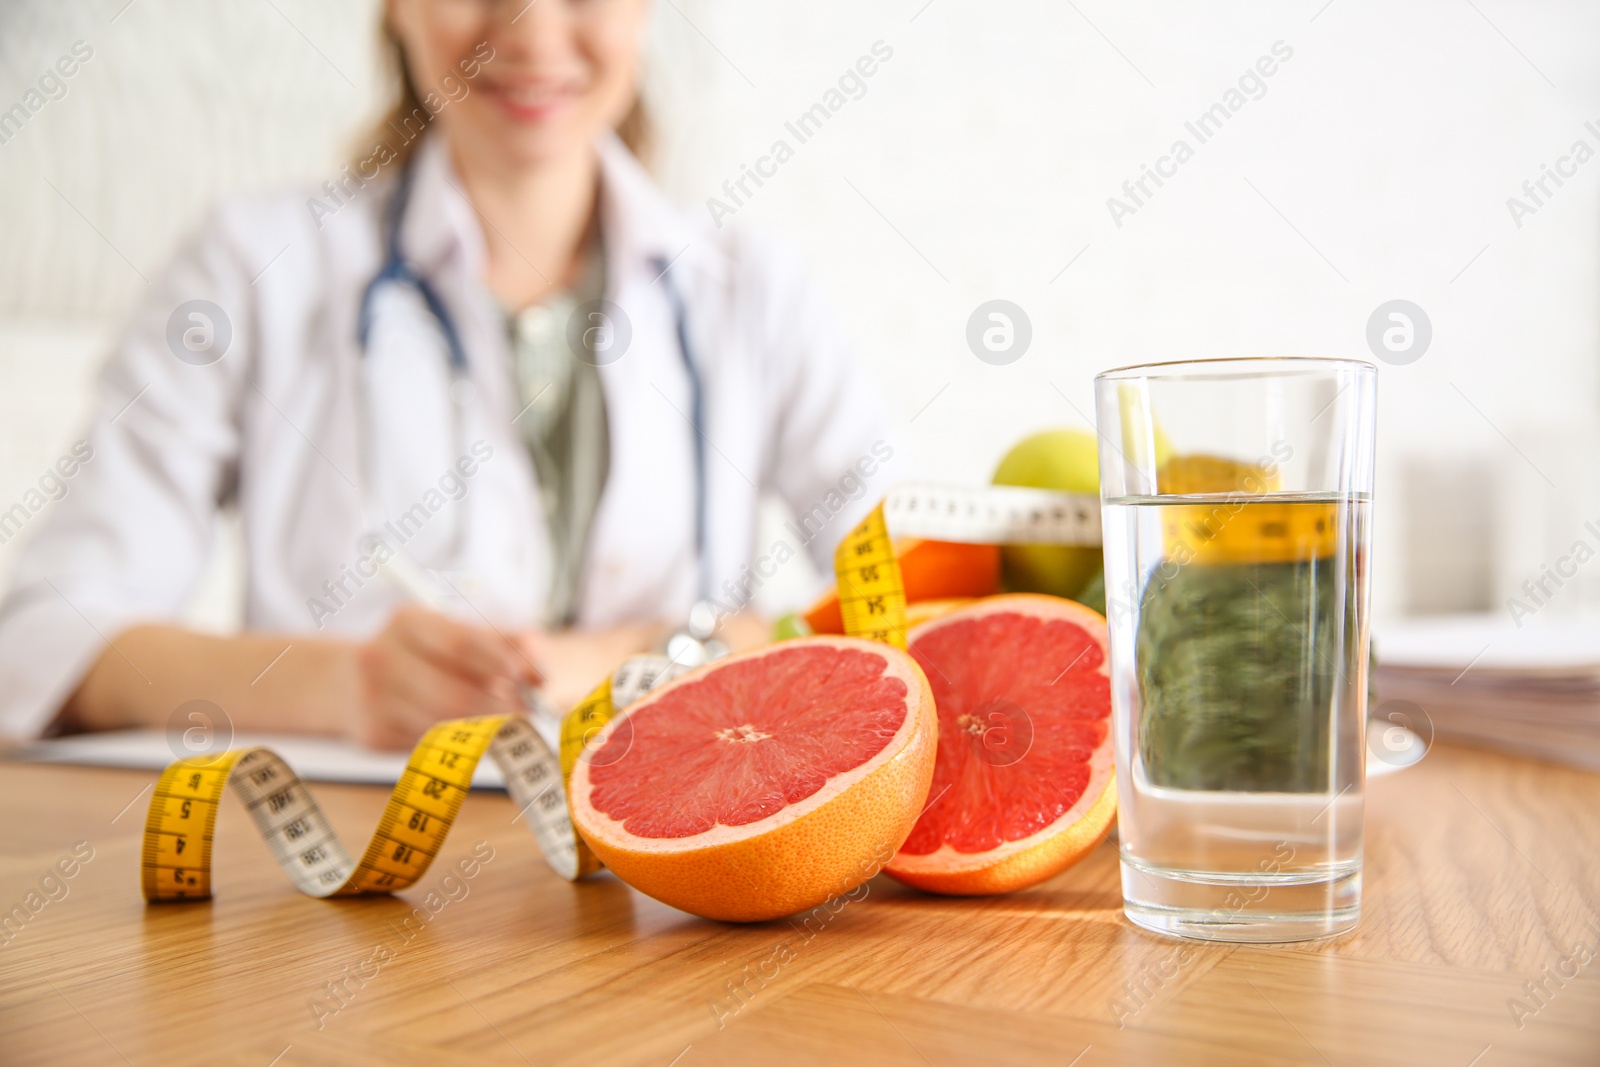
(764,783)
(1024,782)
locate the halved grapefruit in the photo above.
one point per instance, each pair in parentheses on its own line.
(764,783)
(931,570)
(1024,782)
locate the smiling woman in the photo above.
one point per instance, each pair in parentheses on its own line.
(493,274)
(394,136)
(421,39)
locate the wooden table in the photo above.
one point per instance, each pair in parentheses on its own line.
(1482,872)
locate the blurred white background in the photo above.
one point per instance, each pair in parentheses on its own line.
(1376,166)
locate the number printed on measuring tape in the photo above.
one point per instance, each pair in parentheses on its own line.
(872,595)
(993,515)
(176,857)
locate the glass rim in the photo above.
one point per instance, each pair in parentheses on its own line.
(1242,366)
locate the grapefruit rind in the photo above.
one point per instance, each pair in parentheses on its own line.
(812,850)
(1018,864)
(1039,856)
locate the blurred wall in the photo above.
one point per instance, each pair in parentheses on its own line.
(1374,163)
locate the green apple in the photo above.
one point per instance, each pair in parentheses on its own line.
(1066,460)
(790,626)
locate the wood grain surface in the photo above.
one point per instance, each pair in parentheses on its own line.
(1483,874)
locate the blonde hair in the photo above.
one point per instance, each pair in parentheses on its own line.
(402,124)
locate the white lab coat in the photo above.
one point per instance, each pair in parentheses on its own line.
(280,425)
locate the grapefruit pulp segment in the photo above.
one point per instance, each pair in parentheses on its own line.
(1024,781)
(763,783)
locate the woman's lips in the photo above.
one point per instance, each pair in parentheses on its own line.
(532,102)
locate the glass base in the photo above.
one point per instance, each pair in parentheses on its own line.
(1250,907)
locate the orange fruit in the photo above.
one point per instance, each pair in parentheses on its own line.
(1024,785)
(764,783)
(931,570)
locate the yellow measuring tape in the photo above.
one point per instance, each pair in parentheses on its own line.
(176,857)
(872,595)
(418,817)
(1242,523)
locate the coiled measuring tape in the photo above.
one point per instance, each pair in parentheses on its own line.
(176,857)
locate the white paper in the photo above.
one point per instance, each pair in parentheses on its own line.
(314,759)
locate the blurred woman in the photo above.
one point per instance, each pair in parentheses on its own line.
(493,412)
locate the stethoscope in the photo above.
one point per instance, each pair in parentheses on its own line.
(694,642)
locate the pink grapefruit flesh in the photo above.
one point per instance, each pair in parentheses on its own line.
(1023,785)
(764,783)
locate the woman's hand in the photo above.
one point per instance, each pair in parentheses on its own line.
(425,667)
(421,669)
(574,661)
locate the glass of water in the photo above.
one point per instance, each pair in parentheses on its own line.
(1236,498)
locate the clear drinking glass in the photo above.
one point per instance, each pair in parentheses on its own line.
(1236,498)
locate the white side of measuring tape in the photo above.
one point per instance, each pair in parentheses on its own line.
(303,842)
(532,768)
(995,514)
